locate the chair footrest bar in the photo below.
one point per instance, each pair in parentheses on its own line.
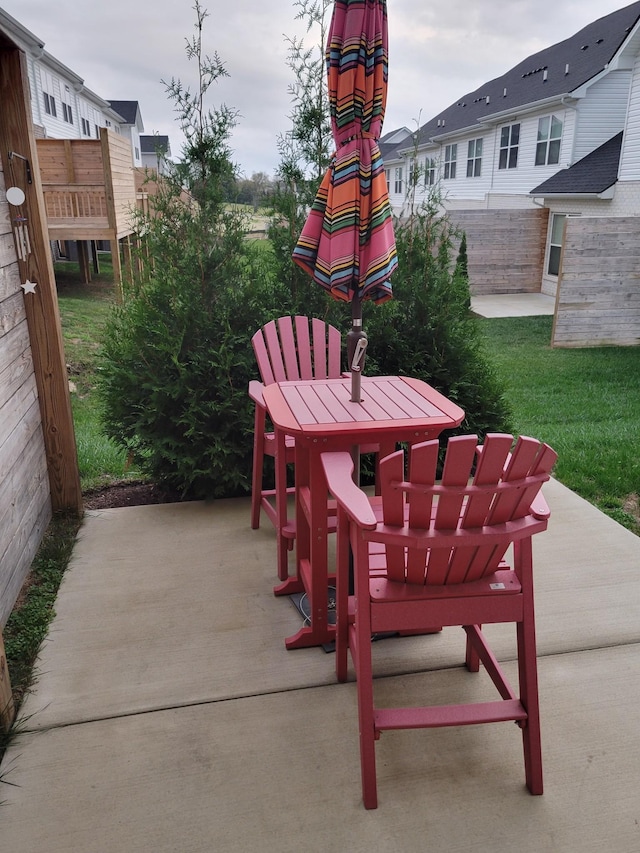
(449,715)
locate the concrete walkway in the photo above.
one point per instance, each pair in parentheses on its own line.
(168,715)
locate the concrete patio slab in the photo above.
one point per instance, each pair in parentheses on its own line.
(280,773)
(168,715)
(513,305)
(172,605)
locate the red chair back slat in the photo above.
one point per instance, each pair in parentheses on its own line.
(410,506)
(289,349)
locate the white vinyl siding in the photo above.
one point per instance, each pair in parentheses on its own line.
(602,113)
(630,156)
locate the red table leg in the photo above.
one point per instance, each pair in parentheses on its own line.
(311,547)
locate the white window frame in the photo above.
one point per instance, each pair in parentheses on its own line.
(474,158)
(48,93)
(555,243)
(429,172)
(398,180)
(450,161)
(548,141)
(387,175)
(509,145)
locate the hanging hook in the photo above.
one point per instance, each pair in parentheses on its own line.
(13,154)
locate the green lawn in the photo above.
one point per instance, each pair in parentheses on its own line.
(584,402)
(83,312)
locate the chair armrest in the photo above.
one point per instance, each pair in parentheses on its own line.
(338,470)
(256,389)
(539,507)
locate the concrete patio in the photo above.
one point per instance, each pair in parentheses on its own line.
(168,715)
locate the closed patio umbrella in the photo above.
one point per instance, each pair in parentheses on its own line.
(347,244)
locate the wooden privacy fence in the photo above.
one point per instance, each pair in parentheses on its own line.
(598,301)
(505,249)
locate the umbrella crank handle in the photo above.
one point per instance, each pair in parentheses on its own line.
(358,355)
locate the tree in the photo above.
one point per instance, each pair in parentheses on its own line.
(176,360)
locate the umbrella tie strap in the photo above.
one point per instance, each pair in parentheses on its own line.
(363,135)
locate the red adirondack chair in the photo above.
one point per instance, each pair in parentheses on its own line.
(287,349)
(432,553)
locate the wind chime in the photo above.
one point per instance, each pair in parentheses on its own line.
(19,221)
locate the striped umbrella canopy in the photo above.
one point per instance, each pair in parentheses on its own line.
(347,244)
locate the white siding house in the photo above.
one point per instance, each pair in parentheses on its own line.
(559,135)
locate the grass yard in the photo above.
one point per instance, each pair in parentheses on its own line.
(83,311)
(584,402)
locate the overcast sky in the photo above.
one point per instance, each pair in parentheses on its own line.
(439,50)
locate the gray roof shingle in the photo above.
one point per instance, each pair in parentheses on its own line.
(542,75)
(594,174)
(127,109)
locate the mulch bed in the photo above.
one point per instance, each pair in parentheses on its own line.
(129,494)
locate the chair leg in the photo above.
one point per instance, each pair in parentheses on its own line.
(528,673)
(472,658)
(342,596)
(364,675)
(258,464)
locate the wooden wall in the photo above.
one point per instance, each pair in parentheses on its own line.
(598,301)
(505,249)
(118,167)
(38,459)
(25,505)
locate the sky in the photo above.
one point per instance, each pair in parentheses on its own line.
(439,50)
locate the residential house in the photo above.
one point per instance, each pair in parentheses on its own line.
(524,157)
(131,127)
(155,150)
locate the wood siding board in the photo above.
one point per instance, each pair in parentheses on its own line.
(598,302)
(34,516)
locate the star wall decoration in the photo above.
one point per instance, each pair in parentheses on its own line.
(29,286)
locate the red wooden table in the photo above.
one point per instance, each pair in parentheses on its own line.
(320,415)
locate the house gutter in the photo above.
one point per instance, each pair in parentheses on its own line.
(606,195)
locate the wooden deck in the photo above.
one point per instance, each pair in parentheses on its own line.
(89,189)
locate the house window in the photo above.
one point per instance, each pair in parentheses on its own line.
(450,157)
(474,158)
(387,174)
(429,172)
(555,243)
(413,173)
(509,141)
(549,138)
(48,96)
(97,127)
(67,114)
(398,180)
(86,127)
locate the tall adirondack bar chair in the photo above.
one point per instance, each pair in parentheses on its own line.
(431,553)
(287,349)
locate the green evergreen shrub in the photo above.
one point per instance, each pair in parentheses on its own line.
(177,357)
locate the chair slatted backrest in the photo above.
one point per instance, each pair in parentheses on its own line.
(424,522)
(294,348)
